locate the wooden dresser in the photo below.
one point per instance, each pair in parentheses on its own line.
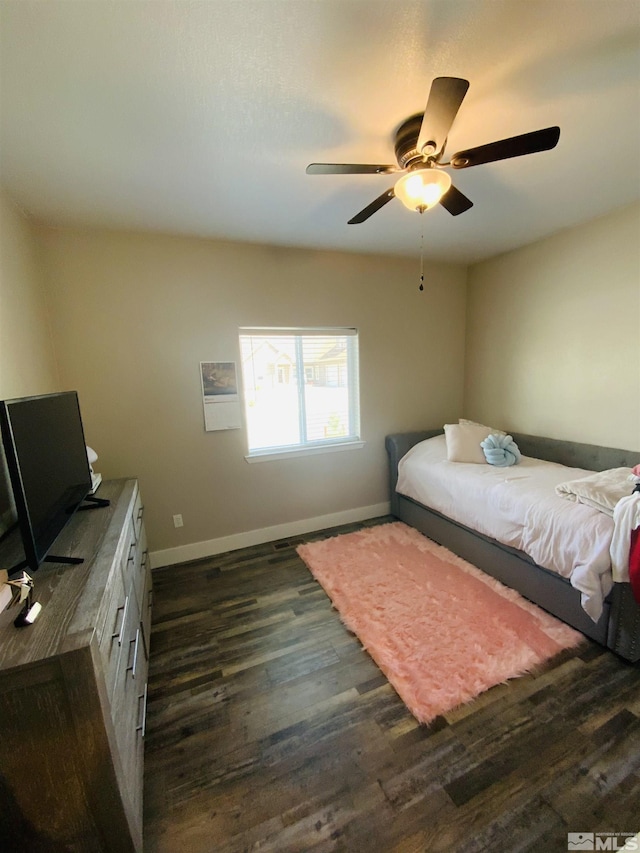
(73,690)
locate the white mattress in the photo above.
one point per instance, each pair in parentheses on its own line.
(518,507)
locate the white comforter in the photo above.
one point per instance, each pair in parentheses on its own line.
(518,506)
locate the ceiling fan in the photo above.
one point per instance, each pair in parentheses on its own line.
(419,147)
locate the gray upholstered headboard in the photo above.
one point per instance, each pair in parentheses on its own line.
(576,455)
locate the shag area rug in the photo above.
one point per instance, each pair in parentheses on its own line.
(441,630)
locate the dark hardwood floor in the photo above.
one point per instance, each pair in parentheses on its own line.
(269,728)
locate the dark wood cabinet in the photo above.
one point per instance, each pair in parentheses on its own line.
(73,690)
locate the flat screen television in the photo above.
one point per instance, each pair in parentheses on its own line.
(46,458)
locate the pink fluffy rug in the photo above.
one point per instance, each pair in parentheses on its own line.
(441,630)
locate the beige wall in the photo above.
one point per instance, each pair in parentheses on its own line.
(553,335)
(26,355)
(133,315)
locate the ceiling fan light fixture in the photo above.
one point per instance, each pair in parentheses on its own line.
(421,189)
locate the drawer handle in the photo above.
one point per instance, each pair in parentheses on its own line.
(140,511)
(119,633)
(132,668)
(132,552)
(143,725)
(145,557)
(150,599)
(144,642)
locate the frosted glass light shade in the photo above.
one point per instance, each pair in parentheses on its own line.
(421,189)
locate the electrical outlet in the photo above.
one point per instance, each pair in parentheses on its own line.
(177,521)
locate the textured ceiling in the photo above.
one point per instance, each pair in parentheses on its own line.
(200,117)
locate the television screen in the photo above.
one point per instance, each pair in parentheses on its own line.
(47,460)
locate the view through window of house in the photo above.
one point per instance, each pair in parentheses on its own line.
(300,387)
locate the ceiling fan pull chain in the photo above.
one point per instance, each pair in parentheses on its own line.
(422,251)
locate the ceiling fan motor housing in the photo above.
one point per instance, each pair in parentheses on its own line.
(406,145)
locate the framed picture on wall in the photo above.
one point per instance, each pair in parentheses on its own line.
(219,380)
(220,396)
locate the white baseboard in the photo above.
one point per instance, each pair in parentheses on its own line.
(199,550)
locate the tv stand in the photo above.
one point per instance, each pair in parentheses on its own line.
(92,502)
(50,558)
(69,561)
(73,690)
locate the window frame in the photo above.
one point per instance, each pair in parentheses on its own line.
(308,447)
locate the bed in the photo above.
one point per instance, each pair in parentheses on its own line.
(618,625)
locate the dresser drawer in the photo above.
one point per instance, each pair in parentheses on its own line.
(129,697)
(138,565)
(129,553)
(137,513)
(147,603)
(114,633)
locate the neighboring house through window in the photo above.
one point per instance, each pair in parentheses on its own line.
(300,389)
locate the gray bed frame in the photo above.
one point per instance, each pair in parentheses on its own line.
(619,626)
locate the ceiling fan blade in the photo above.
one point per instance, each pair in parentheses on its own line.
(504,149)
(445,97)
(370,209)
(455,202)
(349,169)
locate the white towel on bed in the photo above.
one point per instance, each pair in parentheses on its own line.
(601,490)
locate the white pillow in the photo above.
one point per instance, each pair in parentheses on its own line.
(463,442)
(492,431)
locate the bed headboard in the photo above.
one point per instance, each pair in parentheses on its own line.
(576,455)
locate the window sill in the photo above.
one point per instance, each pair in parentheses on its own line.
(275,455)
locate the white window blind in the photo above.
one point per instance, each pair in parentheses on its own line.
(300,388)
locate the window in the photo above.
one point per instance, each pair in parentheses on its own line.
(300,389)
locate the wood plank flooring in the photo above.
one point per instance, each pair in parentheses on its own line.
(269,728)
